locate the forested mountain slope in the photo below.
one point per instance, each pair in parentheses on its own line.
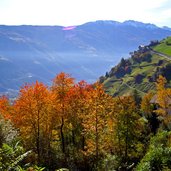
(140,72)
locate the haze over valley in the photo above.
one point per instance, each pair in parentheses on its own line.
(29,53)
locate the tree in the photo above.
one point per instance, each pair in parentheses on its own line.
(123,62)
(149,113)
(61,85)
(163,100)
(95,122)
(5,108)
(127,127)
(33,117)
(137,97)
(146,105)
(76,100)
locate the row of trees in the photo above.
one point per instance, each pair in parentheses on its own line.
(80,127)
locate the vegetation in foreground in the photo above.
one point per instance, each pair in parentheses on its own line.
(79,127)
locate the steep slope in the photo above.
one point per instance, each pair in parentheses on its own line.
(29,53)
(140,71)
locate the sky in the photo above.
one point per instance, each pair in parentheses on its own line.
(76,12)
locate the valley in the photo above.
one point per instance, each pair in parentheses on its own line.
(30,53)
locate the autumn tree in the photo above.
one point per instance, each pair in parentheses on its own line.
(77,99)
(33,118)
(127,127)
(148,111)
(5,107)
(60,86)
(163,100)
(146,105)
(95,122)
(77,109)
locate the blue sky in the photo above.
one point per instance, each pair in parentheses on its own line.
(75,12)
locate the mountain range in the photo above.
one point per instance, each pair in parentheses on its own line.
(29,53)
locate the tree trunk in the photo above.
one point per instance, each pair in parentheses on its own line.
(62,136)
(38,138)
(97,145)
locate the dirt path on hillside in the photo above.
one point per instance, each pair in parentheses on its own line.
(161,54)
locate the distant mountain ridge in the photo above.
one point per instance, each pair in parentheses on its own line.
(29,53)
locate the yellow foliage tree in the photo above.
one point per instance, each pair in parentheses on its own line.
(126,127)
(163,100)
(96,120)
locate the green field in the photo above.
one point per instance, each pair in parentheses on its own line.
(164,47)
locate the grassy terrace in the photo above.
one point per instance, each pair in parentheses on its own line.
(127,84)
(164,47)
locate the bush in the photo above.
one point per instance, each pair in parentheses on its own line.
(11,156)
(158,155)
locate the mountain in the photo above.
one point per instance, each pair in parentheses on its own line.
(167,28)
(140,71)
(29,53)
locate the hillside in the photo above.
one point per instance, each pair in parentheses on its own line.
(140,71)
(29,53)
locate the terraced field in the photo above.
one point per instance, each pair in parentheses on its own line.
(143,74)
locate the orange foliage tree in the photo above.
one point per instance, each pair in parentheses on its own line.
(76,111)
(77,103)
(5,108)
(60,87)
(33,117)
